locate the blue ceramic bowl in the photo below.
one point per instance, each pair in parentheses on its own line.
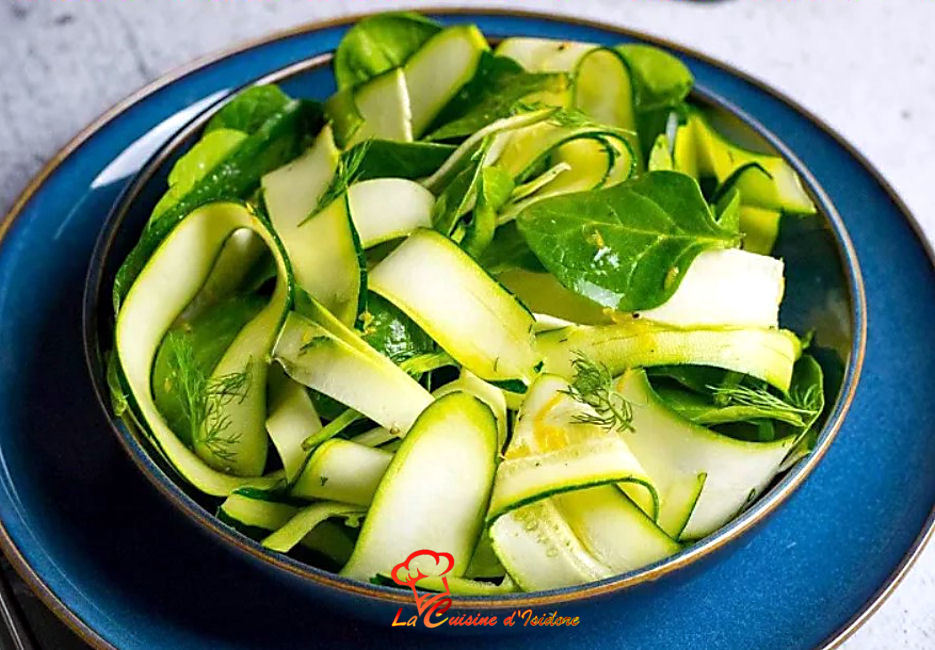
(824,294)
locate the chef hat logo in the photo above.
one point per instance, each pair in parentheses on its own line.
(422,564)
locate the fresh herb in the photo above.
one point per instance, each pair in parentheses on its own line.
(761,402)
(626,247)
(204,398)
(593,386)
(349,166)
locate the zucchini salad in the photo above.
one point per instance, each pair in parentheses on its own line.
(515,304)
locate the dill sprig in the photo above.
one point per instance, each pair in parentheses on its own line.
(346,173)
(203,398)
(794,412)
(593,386)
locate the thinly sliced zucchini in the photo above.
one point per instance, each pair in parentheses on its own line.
(760,228)
(341,470)
(526,147)
(779,189)
(467,382)
(481,326)
(462,155)
(674,452)
(292,418)
(292,191)
(544,54)
(384,108)
(388,208)
(466,586)
(435,491)
(767,354)
(438,70)
(660,156)
(249,509)
(276,142)
(614,529)
(352,373)
(168,281)
(253,513)
(487,393)
(324,248)
(305,520)
(541,551)
(725,287)
(604,91)
(551,451)
(242,254)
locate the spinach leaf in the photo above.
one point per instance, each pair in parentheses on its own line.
(380,43)
(509,250)
(249,109)
(626,247)
(204,156)
(389,331)
(279,140)
(498,85)
(391,159)
(661,79)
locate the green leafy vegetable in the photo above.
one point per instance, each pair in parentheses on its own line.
(593,385)
(380,43)
(498,85)
(509,250)
(390,159)
(389,331)
(247,111)
(661,79)
(628,246)
(195,164)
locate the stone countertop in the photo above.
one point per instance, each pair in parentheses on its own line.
(867,69)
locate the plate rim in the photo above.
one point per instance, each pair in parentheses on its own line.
(91,636)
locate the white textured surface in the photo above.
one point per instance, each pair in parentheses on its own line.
(867,68)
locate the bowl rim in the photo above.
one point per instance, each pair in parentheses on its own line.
(170,486)
(88,634)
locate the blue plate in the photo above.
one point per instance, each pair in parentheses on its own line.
(124,568)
